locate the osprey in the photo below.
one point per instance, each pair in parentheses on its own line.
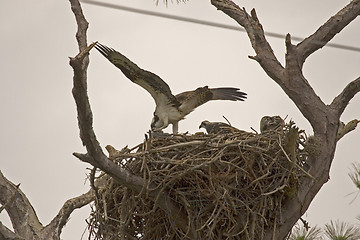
(218,127)
(170,109)
(271,123)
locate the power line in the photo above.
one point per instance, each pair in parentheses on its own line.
(208,23)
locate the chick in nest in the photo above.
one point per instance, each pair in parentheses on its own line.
(218,127)
(271,123)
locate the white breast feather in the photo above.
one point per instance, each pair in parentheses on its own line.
(169,112)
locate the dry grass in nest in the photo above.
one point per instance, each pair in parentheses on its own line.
(231,186)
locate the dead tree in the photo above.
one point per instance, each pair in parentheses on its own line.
(324,119)
(23,216)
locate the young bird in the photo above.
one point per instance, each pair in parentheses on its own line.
(217,127)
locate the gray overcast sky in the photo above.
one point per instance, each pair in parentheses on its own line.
(38,118)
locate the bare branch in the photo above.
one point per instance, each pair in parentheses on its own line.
(327,31)
(341,101)
(323,118)
(95,155)
(136,183)
(306,100)
(7,234)
(54,228)
(80,64)
(264,53)
(10,200)
(344,129)
(23,216)
(19,209)
(81,23)
(290,78)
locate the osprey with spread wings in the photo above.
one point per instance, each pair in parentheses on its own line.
(170,109)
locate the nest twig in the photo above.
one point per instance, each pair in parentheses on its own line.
(231,186)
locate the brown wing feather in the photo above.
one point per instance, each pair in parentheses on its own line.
(152,83)
(192,99)
(228,93)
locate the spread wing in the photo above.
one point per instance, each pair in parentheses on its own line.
(152,83)
(192,99)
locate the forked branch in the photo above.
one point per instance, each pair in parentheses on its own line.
(23,217)
(323,118)
(264,53)
(95,155)
(55,227)
(342,100)
(290,77)
(328,30)
(7,234)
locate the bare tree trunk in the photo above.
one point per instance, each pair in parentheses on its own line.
(323,118)
(95,155)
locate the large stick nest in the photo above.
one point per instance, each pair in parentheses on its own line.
(231,186)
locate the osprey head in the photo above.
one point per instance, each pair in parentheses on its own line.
(204,124)
(157,124)
(271,123)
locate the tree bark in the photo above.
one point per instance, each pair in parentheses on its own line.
(23,216)
(323,118)
(95,156)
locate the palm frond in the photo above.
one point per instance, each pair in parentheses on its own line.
(302,233)
(355,174)
(341,231)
